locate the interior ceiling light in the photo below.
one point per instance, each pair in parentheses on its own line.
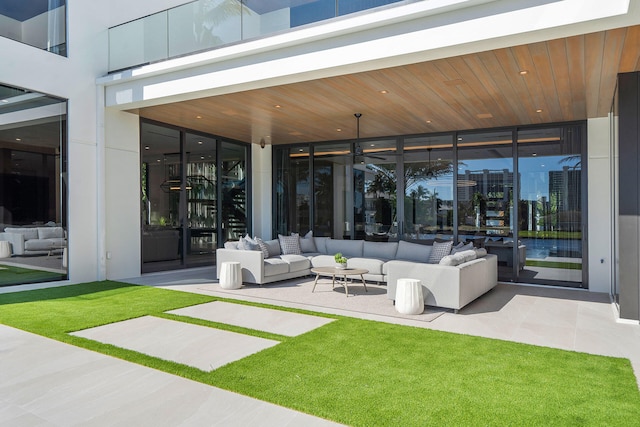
(428,121)
(146,147)
(200,142)
(18,139)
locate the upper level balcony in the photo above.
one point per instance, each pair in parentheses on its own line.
(209,24)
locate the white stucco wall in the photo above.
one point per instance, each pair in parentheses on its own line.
(599,201)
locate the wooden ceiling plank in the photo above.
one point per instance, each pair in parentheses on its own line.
(544,71)
(576,61)
(613,46)
(594,52)
(532,81)
(561,76)
(630,60)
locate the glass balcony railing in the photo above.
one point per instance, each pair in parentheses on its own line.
(209,24)
(41,24)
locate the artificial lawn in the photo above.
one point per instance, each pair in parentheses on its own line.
(554,264)
(10,275)
(364,373)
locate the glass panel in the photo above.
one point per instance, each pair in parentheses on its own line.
(201,199)
(293,190)
(331,168)
(375,197)
(550,204)
(40,24)
(262,17)
(138,42)
(485,195)
(161,183)
(212,23)
(232,178)
(33,187)
(310,11)
(428,198)
(350,6)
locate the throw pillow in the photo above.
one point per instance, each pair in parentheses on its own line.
(248,244)
(263,247)
(290,245)
(307,244)
(462,247)
(439,251)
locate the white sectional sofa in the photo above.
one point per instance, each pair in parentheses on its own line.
(34,240)
(456,281)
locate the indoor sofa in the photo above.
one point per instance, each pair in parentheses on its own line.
(453,282)
(35,240)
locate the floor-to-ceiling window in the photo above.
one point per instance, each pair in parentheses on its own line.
(194,196)
(517,192)
(33,187)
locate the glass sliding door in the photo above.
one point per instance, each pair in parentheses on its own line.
(201,191)
(485,196)
(428,188)
(550,204)
(331,172)
(375,191)
(161,175)
(233,182)
(33,187)
(292,193)
(194,196)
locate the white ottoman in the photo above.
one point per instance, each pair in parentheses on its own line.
(409,299)
(230,275)
(5,249)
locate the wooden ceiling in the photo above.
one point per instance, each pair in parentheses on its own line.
(566,79)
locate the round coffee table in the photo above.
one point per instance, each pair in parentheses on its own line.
(344,272)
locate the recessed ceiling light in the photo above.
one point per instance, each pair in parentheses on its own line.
(200,142)
(198,117)
(373,145)
(428,121)
(523,72)
(534,154)
(338,130)
(439,158)
(539,110)
(459,138)
(278,106)
(201,157)
(384,91)
(18,139)
(158,160)
(301,150)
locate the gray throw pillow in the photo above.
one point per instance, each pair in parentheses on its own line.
(307,244)
(462,247)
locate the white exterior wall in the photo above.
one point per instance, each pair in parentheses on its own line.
(600,200)
(261,179)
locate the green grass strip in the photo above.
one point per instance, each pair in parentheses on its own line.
(10,275)
(555,264)
(364,373)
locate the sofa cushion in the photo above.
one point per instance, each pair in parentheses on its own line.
(273,246)
(480,252)
(307,244)
(323,261)
(296,262)
(348,248)
(321,244)
(373,265)
(263,247)
(42,244)
(380,250)
(274,266)
(289,244)
(50,232)
(413,252)
(440,250)
(28,233)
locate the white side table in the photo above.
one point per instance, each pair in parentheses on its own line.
(409,298)
(5,249)
(230,275)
